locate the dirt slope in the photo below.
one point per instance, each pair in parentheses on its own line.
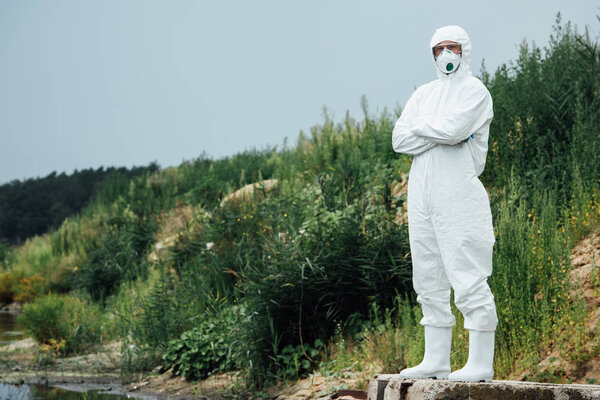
(585,259)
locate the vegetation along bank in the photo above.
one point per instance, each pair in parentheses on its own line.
(307,270)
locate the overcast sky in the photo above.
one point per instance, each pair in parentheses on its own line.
(121,83)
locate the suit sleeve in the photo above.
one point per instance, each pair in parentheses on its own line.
(471,112)
(403,139)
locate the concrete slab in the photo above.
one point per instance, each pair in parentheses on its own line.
(392,387)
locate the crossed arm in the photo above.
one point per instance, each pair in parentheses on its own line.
(403,139)
(414,134)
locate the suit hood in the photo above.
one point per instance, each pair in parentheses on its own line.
(459,35)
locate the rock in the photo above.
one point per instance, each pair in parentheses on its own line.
(377,386)
(347,394)
(301,394)
(158,369)
(12,308)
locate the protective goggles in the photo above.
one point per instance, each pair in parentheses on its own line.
(453,47)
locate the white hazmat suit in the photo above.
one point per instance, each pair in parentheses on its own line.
(445,126)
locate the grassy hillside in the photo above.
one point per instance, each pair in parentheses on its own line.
(311,269)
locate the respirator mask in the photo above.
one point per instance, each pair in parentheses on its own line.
(448,61)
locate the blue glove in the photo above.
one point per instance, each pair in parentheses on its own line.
(467,139)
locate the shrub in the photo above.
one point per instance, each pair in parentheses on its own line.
(118,255)
(296,362)
(5,252)
(546,115)
(394,340)
(319,274)
(124,311)
(165,313)
(149,314)
(114,261)
(6,292)
(53,319)
(28,288)
(207,348)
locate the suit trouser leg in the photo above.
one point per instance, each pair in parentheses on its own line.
(429,276)
(467,254)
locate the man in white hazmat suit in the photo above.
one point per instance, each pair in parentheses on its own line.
(445,126)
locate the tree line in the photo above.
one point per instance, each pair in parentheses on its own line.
(36,205)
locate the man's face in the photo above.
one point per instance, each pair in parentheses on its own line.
(446,44)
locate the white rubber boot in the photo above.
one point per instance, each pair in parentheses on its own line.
(480,365)
(436,362)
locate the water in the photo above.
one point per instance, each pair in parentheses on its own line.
(10,329)
(33,392)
